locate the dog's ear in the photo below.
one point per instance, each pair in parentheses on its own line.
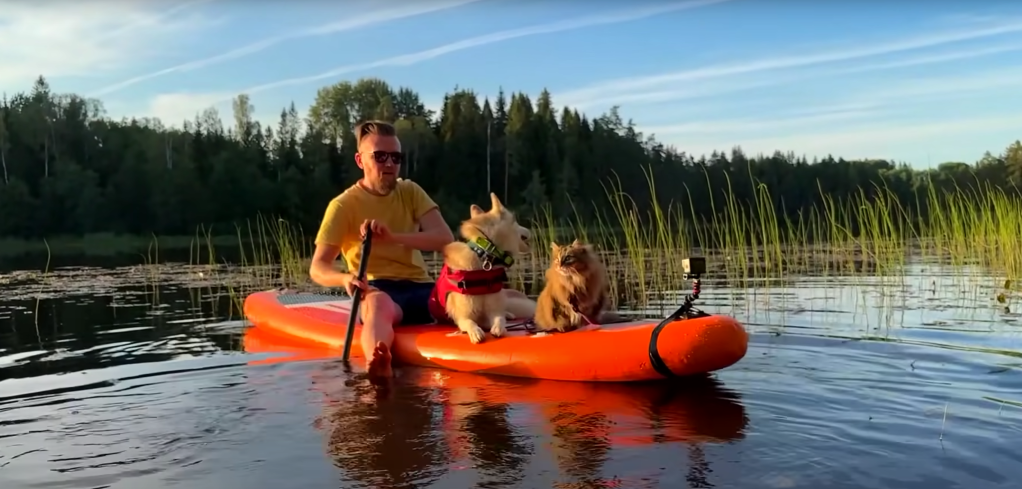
(475,210)
(495,205)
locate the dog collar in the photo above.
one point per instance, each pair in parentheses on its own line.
(490,254)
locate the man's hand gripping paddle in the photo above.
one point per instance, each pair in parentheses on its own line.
(356,298)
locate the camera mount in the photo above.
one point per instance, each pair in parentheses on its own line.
(693,269)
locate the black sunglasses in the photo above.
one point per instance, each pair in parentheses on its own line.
(381,156)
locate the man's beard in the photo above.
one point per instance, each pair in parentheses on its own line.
(388,184)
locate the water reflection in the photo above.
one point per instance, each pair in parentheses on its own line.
(580,424)
(478,434)
(385,442)
(81,319)
(435,423)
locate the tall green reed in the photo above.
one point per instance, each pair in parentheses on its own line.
(869,232)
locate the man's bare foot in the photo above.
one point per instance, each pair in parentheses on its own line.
(380,371)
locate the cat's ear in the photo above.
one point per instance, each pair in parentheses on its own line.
(576,242)
(554,247)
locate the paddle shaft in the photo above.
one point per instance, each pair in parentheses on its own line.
(356,297)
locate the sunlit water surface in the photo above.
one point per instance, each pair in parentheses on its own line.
(849,382)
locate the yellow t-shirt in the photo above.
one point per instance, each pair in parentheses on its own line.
(400,211)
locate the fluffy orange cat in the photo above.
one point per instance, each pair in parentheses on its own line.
(576,291)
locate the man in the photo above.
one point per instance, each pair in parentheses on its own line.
(405,221)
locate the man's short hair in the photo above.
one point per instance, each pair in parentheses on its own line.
(367,128)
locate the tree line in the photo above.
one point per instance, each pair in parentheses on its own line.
(70,170)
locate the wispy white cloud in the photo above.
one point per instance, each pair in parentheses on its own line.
(418,57)
(867,141)
(478,41)
(62,38)
(930,59)
(701,89)
(798,118)
(907,118)
(867,103)
(354,22)
(595,94)
(690,91)
(913,90)
(175,108)
(152,20)
(894,100)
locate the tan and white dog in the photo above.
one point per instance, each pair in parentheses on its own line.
(470,291)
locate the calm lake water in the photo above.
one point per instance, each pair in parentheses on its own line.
(913,382)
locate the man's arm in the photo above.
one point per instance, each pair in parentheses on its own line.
(322,270)
(332,231)
(435,233)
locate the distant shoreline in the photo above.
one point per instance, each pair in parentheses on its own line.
(105,244)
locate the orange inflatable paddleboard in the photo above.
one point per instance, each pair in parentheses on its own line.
(621,352)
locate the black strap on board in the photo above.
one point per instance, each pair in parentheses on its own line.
(655,360)
(654,352)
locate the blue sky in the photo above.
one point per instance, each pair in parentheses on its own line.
(915,81)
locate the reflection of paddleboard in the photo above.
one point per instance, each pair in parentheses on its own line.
(696,410)
(618,352)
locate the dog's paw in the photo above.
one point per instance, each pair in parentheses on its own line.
(575,322)
(476,334)
(498,329)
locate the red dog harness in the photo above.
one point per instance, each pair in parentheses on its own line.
(467,282)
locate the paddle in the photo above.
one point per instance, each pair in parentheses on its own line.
(356,298)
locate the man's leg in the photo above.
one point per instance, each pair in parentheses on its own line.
(512,293)
(519,305)
(379,314)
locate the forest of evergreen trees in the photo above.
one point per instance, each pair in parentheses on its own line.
(69,170)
